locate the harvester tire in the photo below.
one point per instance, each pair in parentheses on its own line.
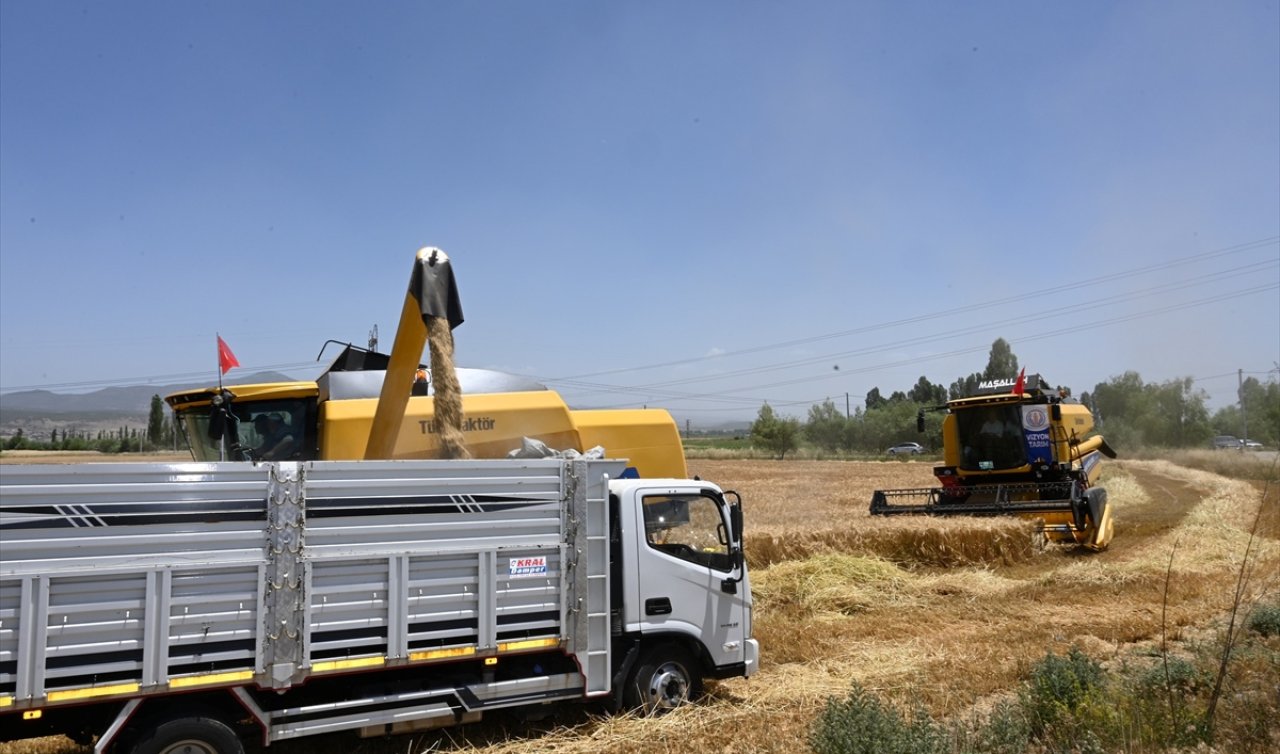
(1100,525)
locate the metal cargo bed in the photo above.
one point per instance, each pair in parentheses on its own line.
(119,580)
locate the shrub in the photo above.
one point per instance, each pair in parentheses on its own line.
(1060,686)
(1066,704)
(1005,731)
(1265,620)
(1160,704)
(862,724)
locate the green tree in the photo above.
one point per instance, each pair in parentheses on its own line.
(775,434)
(1133,413)
(927,393)
(826,426)
(1261,405)
(1180,418)
(892,424)
(1001,363)
(964,387)
(1261,417)
(155,422)
(874,399)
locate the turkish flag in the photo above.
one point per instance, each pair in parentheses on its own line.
(1022,381)
(226,359)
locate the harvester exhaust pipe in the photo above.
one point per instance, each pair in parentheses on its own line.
(431,311)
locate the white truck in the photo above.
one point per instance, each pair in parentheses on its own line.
(158,608)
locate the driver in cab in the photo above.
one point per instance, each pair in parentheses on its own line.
(277,438)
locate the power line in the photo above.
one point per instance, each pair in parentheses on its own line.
(1237,249)
(575,381)
(656,388)
(920,340)
(1076,328)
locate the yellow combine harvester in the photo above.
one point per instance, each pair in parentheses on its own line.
(337,416)
(1020,449)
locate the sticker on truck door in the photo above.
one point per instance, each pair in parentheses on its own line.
(522,568)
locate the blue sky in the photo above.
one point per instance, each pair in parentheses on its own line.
(701,206)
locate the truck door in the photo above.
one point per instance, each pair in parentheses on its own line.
(689,581)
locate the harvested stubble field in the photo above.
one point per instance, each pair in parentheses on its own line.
(951,613)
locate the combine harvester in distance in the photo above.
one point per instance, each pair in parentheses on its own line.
(1016,448)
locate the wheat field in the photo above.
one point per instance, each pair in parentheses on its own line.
(950,613)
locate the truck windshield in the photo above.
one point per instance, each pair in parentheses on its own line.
(689,527)
(991,438)
(269,430)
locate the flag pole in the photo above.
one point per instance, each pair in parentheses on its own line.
(217,346)
(226,360)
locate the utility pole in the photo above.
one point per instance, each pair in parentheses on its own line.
(1244,418)
(373,338)
(846,406)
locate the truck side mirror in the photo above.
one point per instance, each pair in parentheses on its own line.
(920,420)
(1056,412)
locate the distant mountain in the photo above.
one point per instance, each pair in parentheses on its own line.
(134,399)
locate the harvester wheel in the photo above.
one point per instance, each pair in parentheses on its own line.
(1100,523)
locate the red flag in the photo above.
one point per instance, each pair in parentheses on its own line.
(226,359)
(1022,380)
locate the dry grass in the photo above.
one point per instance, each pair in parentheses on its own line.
(909,541)
(1233,464)
(797,509)
(947,612)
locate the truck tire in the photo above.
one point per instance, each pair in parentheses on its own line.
(664,678)
(189,735)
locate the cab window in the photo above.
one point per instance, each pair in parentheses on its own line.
(285,426)
(689,527)
(992,438)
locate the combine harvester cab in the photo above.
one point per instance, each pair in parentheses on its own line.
(1017,448)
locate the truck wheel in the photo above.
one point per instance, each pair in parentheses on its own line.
(664,678)
(189,735)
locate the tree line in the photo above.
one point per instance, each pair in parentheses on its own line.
(1128,411)
(158,434)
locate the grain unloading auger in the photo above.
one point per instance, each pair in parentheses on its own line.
(1016,448)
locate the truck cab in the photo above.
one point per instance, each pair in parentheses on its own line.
(686,587)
